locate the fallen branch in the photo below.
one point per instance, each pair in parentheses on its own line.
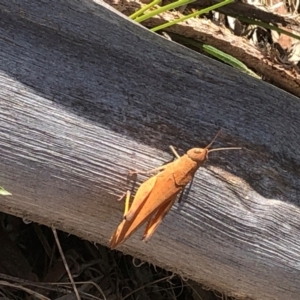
(86,94)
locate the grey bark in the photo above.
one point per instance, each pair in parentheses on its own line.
(86,95)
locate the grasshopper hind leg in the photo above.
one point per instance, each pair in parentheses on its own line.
(127,203)
(157,219)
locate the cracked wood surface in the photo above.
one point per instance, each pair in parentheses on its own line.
(86,94)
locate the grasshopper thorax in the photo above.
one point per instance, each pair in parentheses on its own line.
(198,154)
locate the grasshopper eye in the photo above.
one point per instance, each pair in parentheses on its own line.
(198,150)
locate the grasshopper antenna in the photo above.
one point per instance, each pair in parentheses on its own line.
(220,149)
(213,140)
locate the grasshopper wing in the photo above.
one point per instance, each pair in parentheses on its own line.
(157,219)
(141,195)
(124,230)
(158,191)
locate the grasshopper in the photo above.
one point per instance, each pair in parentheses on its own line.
(155,197)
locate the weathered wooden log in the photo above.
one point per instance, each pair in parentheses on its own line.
(86,94)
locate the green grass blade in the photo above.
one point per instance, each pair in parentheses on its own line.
(143,9)
(197,13)
(230,60)
(268,26)
(163,9)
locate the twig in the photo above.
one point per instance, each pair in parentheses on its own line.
(65,263)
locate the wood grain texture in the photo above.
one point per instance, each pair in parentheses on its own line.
(86,94)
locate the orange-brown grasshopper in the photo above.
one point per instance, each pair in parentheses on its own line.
(155,197)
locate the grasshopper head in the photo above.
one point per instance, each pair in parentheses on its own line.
(198,154)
